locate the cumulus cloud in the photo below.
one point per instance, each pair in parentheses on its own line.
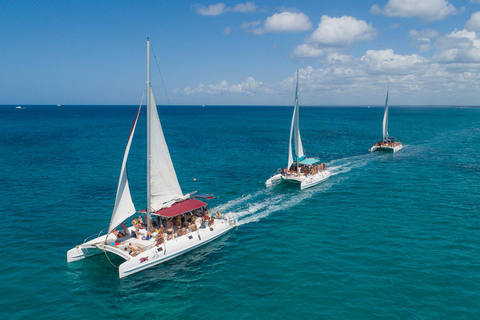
(341,32)
(249,87)
(287,22)
(281,22)
(473,24)
(459,47)
(211,10)
(422,40)
(221,8)
(307,51)
(427,10)
(335,33)
(385,61)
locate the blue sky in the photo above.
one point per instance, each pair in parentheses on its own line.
(241,53)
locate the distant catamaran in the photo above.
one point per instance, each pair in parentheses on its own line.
(182,222)
(388,144)
(300,170)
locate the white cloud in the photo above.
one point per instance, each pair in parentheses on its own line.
(227,31)
(460,47)
(287,22)
(427,10)
(385,61)
(221,8)
(249,87)
(422,40)
(281,22)
(245,7)
(336,58)
(474,23)
(341,32)
(307,51)
(211,10)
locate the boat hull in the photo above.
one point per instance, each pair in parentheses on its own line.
(386,149)
(302,180)
(276,179)
(154,254)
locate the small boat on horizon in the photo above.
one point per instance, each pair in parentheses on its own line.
(300,170)
(387,144)
(19,107)
(182,222)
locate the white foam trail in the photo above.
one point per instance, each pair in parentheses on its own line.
(256,206)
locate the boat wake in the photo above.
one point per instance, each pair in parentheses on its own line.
(256,206)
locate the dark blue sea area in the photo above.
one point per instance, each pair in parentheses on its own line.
(388,236)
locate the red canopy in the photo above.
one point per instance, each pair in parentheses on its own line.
(180,207)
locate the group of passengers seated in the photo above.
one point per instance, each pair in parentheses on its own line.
(304,169)
(389,143)
(164,229)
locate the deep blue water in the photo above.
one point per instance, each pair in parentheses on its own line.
(388,236)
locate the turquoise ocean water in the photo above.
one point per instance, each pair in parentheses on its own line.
(387,236)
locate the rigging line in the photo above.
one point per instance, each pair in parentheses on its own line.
(106,255)
(158,67)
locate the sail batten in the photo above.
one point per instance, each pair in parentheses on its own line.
(124,206)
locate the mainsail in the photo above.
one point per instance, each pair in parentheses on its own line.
(295,132)
(385,120)
(124,206)
(164,185)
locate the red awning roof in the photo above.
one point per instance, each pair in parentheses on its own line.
(180,207)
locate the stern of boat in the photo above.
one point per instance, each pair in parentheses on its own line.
(313,180)
(276,179)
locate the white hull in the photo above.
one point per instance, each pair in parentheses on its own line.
(302,180)
(386,148)
(276,179)
(153,254)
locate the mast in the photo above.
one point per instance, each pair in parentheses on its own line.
(149,92)
(296,122)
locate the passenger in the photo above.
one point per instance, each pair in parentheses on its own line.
(149,234)
(160,238)
(118,233)
(211,222)
(169,229)
(181,232)
(125,230)
(134,249)
(140,220)
(134,221)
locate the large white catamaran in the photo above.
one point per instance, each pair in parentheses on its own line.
(182,222)
(388,144)
(300,170)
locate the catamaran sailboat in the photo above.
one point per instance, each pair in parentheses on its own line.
(388,144)
(182,222)
(300,170)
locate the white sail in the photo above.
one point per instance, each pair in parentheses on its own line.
(385,120)
(124,206)
(295,132)
(164,185)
